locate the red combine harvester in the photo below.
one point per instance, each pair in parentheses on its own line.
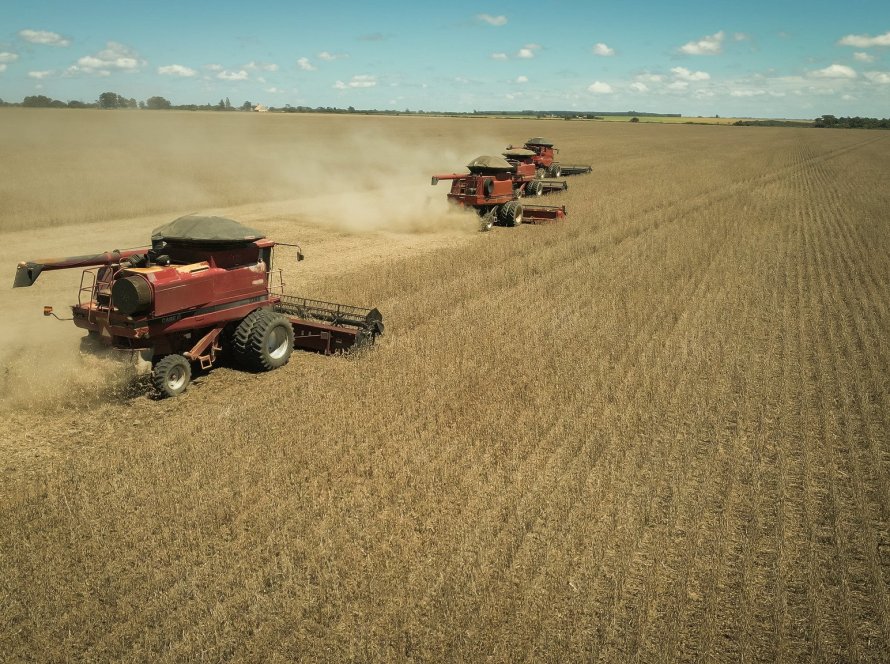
(203,289)
(491,189)
(544,159)
(525,176)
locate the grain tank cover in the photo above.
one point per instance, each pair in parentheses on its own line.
(539,141)
(519,153)
(489,164)
(194,229)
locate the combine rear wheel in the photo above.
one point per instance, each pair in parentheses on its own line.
(511,214)
(171,375)
(554,171)
(487,219)
(270,341)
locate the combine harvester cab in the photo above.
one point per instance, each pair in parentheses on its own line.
(203,289)
(545,159)
(491,189)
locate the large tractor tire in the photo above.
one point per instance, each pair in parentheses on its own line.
(240,339)
(534,188)
(554,171)
(511,214)
(171,375)
(270,341)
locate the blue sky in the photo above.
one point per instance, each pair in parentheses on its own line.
(764,59)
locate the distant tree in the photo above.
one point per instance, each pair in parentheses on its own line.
(247,106)
(157,103)
(141,105)
(228,105)
(635,119)
(37,101)
(109,100)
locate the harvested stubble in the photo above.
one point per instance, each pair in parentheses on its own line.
(655,432)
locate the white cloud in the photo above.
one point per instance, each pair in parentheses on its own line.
(274,90)
(496,21)
(330,57)
(709,45)
(684,74)
(863,57)
(741,36)
(522,79)
(498,56)
(8,57)
(602,49)
(239,75)
(176,70)
(678,85)
(848,97)
(878,76)
(600,88)
(305,65)
(528,51)
(864,41)
(40,75)
(2,66)
(639,87)
(747,93)
(834,71)
(262,66)
(359,81)
(43,37)
(114,57)
(650,78)
(214,67)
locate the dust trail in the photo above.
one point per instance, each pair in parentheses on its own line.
(46,371)
(72,167)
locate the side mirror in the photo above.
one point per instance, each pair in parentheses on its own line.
(435,181)
(47,311)
(300,256)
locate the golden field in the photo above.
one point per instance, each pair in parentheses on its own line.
(655,432)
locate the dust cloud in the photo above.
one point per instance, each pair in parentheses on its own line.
(47,371)
(350,172)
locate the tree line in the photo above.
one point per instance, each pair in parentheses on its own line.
(113,101)
(822,122)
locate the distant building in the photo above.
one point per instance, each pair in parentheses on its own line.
(259,108)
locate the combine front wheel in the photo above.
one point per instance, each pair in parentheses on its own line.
(171,375)
(511,214)
(270,342)
(555,170)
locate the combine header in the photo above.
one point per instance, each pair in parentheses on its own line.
(203,289)
(493,188)
(544,159)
